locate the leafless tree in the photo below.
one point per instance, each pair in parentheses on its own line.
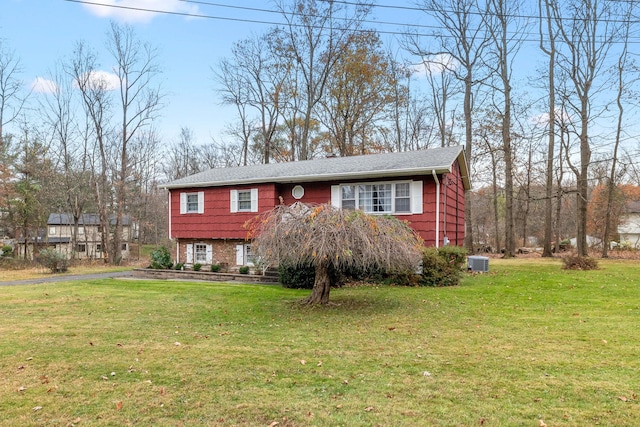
(235,92)
(257,80)
(139,102)
(312,38)
(326,237)
(548,33)
(72,160)
(625,75)
(586,30)
(97,103)
(505,32)
(11,97)
(464,37)
(183,157)
(443,87)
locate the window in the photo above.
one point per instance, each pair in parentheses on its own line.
(200,253)
(348,196)
(244,200)
(80,231)
(375,198)
(81,247)
(123,246)
(381,198)
(245,256)
(250,257)
(52,231)
(403,198)
(98,247)
(192,203)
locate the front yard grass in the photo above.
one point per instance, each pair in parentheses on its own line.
(523,343)
(40,272)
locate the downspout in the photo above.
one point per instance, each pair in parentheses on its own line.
(435,177)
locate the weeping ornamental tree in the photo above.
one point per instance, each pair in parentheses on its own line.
(327,237)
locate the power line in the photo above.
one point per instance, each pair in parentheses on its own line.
(405,33)
(225,18)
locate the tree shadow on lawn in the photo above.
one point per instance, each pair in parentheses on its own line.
(348,304)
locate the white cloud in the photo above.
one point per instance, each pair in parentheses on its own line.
(131,11)
(543,118)
(104,80)
(42,85)
(436,64)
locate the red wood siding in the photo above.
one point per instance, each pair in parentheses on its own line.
(453,196)
(217,221)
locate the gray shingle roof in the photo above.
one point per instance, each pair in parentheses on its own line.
(330,169)
(85,219)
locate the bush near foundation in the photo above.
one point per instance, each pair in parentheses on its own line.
(161,259)
(442,266)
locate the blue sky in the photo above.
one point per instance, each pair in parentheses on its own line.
(42,32)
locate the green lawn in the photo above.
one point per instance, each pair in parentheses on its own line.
(523,343)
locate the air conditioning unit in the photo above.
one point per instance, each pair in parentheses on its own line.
(478,263)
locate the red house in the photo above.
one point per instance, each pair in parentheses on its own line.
(207,210)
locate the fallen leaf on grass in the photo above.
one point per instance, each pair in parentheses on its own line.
(303,362)
(162,391)
(542,424)
(22,388)
(119,406)
(274,424)
(623,398)
(37,408)
(369,408)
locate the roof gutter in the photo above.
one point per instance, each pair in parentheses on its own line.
(435,177)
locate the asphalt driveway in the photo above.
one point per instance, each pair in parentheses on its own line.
(52,278)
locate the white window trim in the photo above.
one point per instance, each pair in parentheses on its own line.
(235,202)
(184,205)
(52,230)
(415,194)
(191,253)
(242,256)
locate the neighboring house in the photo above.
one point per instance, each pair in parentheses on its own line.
(207,210)
(89,235)
(629,227)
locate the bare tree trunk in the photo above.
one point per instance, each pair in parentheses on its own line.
(548,206)
(321,285)
(587,32)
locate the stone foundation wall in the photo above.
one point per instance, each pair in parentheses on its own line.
(148,273)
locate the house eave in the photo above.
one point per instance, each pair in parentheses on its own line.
(294,179)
